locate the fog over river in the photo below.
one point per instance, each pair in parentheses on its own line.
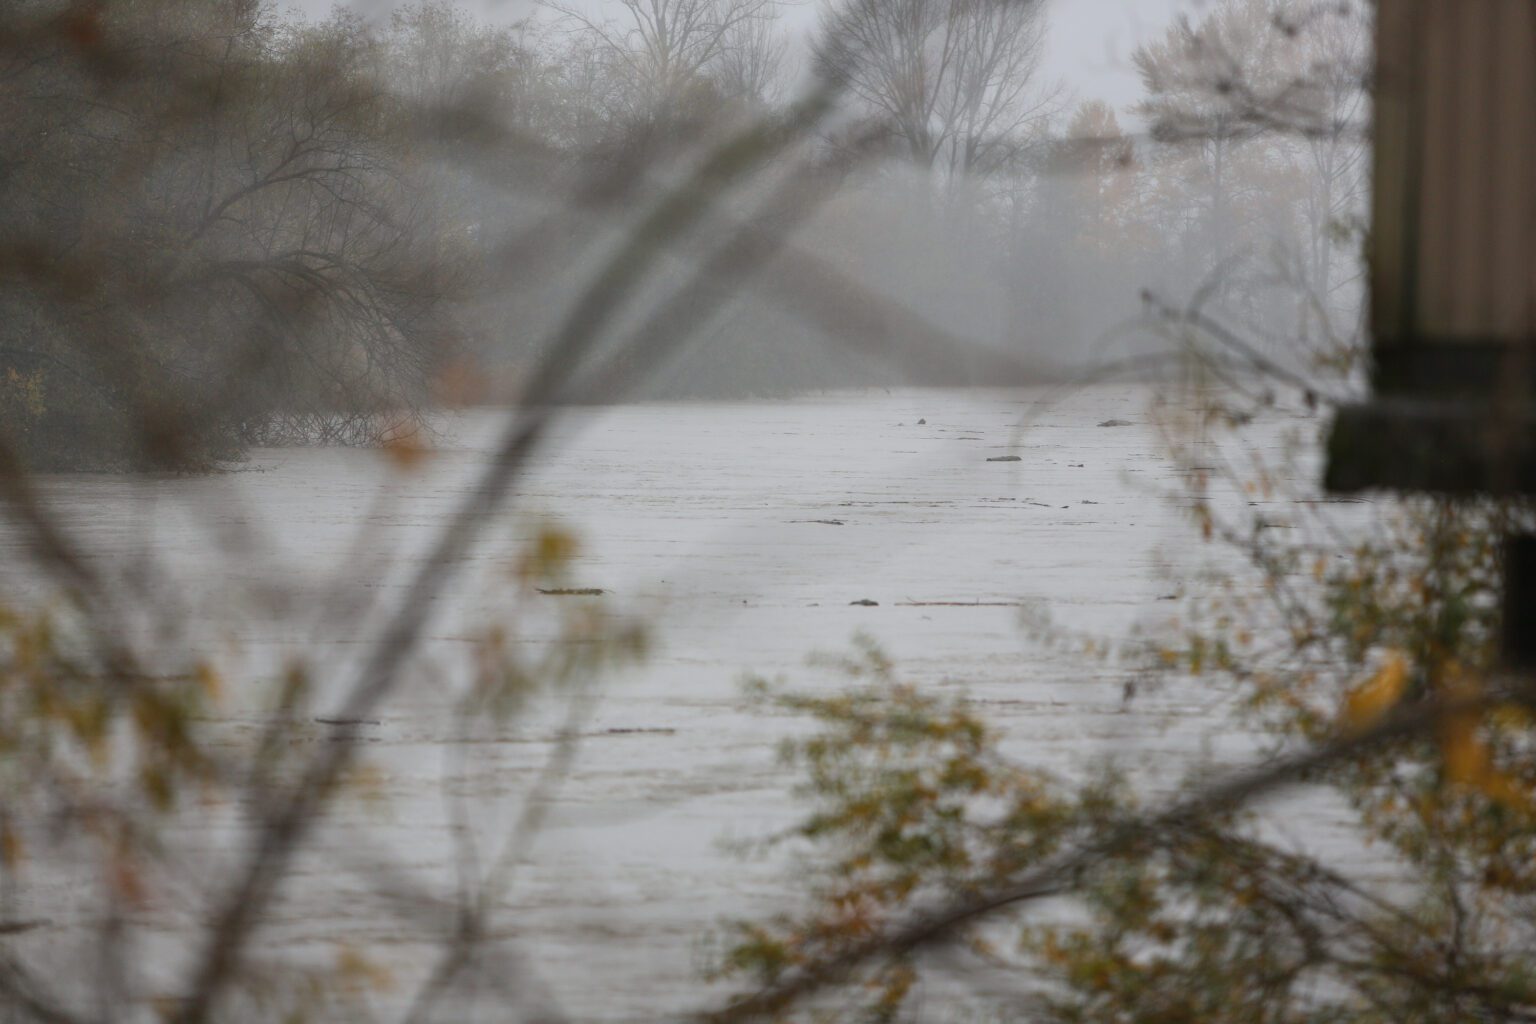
(743,534)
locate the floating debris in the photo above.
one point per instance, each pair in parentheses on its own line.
(1116,423)
(28,925)
(864,603)
(960,604)
(1006,458)
(573,592)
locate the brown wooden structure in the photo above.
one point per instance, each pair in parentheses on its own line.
(1453,255)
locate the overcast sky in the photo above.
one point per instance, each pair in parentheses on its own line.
(1091,42)
(1089,48)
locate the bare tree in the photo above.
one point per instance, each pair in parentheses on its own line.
(953,78)
(1335,49)
(667,48)
(1257,70)
(282,283)
(752,62)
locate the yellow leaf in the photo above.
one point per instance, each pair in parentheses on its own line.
(1510,717)
(1378,694)
(548,555)
(11,850)
(208,679)
(1507,790)
(357,970)
(1467,763)
(1466,757)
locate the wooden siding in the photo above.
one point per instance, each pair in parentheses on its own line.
(1454,240)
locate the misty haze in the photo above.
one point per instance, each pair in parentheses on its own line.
(784,510)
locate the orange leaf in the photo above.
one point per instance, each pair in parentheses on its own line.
(1377,695)
(406,451)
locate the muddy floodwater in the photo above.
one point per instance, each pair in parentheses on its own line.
(748,535)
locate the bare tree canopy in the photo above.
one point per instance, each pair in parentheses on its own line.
(238,168)
(667,49)
(955,79)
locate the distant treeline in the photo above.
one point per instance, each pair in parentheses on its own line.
(227,227)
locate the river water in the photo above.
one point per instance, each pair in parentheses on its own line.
(742,533)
